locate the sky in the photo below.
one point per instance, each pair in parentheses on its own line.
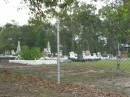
(13,10)
(9,11)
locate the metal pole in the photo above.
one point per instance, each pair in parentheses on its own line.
(58,51)
(58,45)
(118,57)
(118,49)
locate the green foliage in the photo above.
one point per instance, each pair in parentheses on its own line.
(30,53)
(76,19)
(25,53)
(9,36)
(28,35)
(35,53)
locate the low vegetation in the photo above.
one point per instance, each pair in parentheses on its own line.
(88,79)
(30,53)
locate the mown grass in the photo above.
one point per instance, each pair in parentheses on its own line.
(79,71)
(102,64)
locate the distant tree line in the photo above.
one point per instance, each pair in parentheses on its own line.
(82,27)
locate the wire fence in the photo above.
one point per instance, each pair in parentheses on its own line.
(103,74)
(107,67)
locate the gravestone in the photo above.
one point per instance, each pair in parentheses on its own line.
(72,55)
(87,53)
(18,48)
(99,54)
(47,50)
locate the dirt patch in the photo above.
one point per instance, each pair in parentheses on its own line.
(26,86)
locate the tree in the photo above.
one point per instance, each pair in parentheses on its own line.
(115,26)
(83,23)
(70,23)
(44,9)
(28,36)
(9,36)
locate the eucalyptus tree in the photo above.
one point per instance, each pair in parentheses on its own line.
(28,36)
(45,10)
(116,25)
(79,21)
(46,33)
(75,18)
(85,26)
(9,36)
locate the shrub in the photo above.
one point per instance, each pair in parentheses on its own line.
(25,52)
(30,53)
(35,53)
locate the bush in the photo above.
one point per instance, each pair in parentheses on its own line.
(35,53)
(30,53)
(25,52)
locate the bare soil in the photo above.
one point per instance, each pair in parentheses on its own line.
(18,81)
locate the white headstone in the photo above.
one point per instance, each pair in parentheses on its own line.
(18,48)
(13,52)
(72,55)
(48,48)
(99,54)
(88,53)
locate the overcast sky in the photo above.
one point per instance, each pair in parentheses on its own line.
(9,11)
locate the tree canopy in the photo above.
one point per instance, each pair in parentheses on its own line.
(82,26)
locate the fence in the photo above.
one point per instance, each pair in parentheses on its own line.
(106,72)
